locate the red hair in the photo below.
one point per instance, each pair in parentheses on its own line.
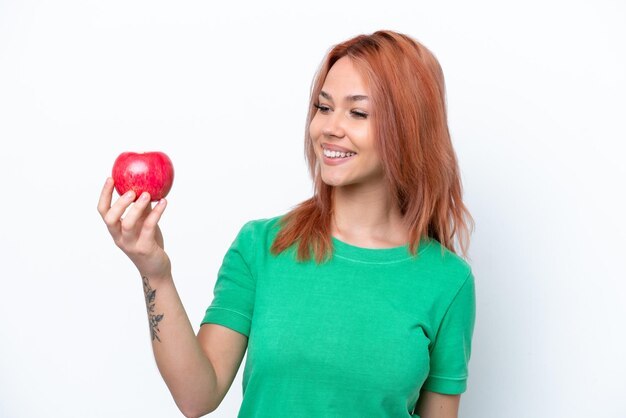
(410,126)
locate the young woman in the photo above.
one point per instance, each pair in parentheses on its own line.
(353,304)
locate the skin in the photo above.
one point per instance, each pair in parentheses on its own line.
(199,369)
(364,212)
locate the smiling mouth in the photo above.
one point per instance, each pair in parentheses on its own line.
(337,154)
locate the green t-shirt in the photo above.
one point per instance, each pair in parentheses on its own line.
(357,336)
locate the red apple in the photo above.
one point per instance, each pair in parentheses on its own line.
(150,172)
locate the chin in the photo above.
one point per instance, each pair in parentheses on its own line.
(335,182)
(331,181)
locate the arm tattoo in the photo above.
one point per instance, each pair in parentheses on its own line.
(152,318)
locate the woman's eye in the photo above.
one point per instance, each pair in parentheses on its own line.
(359,114)
(322,108)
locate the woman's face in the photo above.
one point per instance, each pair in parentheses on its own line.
(341,130)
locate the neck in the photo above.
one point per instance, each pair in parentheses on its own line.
(367,216)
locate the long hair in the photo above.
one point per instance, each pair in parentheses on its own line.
(412,138)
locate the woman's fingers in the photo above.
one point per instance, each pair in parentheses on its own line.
(104,204)
(110,215)
(138,229)
(151,221)
(113,216)
(135,215)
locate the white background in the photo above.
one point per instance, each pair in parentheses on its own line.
(536,108)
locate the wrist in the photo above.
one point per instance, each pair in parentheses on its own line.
(156,276)
(157,270)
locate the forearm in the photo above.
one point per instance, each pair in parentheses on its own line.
(182,363)
(437,405)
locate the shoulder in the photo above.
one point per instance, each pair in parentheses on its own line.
(450,269)
(261,226)
(251,242)
(259,232)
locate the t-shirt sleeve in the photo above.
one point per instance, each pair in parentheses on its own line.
(233,294)
(450,354)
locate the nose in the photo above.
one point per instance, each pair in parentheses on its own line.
(333,125)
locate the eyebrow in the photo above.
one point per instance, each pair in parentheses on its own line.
(352,98)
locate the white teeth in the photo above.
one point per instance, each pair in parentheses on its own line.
(338,154)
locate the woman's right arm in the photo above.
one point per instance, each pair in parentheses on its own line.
(198,370)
